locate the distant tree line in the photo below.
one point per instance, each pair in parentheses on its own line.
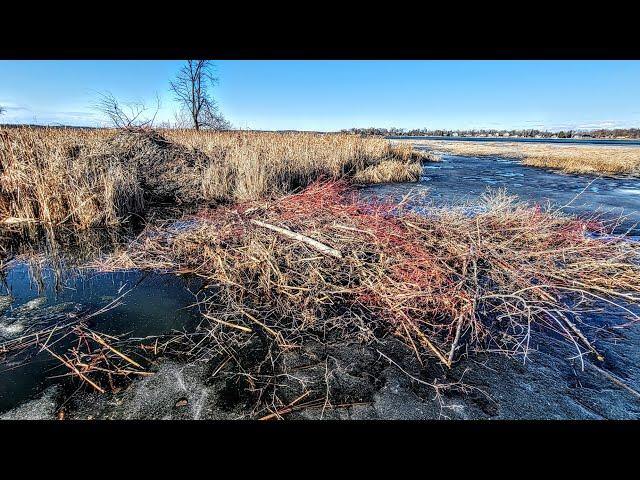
(528,133)
(616,132)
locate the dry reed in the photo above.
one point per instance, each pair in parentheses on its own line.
(87,178)
(606,160)
(43,180)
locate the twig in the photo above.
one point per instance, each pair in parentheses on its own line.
(76,371)
(617,381)
(97,338)
(254,319)
(407,373)
(454,345)
(286,409)
(228,324)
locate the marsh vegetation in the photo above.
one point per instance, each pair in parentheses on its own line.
(88,178)
(602,160)
(291,258)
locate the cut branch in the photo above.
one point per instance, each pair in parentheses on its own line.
(320,247)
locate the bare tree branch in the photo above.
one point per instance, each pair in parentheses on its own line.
(125,115)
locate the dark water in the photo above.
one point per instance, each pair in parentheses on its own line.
(456,180)
(154,304)
(603,141)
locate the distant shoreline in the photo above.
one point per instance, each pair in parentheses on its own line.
(81,127)
(582,141)
(578,139)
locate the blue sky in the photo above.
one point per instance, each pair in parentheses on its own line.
(331,95)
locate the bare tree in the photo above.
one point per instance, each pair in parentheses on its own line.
(125,115)
(192,89)
(2,109)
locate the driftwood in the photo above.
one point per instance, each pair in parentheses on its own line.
(15,220)
(321,247)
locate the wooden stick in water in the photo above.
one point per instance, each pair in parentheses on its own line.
(76,371)
(97,338)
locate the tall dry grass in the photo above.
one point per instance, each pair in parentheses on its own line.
(606,160)
(85,178)
(45,178)
(248,165)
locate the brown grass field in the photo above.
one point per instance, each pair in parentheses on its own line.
(604,160)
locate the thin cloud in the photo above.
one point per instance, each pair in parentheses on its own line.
(604,124)
(15,112)
(14,107)
(26,115)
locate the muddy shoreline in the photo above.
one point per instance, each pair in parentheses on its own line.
(363,384)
